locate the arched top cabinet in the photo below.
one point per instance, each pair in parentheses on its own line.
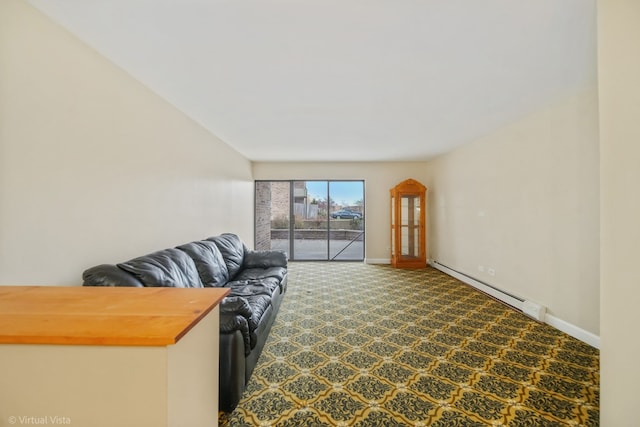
(408,225)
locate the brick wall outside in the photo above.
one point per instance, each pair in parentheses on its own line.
(272,210)
(263,216)
(280,196)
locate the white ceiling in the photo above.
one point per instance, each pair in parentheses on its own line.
(345,80)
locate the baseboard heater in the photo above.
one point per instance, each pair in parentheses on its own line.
(530,308)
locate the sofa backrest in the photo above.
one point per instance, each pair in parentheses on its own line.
(209,262)
(232,250)
(167,268)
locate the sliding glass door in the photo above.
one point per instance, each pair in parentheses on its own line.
(311,231)
(346,220)
(311,220)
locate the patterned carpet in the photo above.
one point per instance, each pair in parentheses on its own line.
(369,345)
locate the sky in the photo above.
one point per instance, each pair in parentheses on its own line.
(342,192)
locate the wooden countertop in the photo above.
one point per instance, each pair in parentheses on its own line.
(86,315)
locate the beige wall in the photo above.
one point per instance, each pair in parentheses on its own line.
(619,92)
(523,201)
(96,168)
(379,179)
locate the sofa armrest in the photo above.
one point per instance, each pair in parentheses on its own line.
(265,259)
(235,305)
(232,376)
(234,317)
(109,275)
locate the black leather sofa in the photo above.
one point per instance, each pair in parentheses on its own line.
(258,282)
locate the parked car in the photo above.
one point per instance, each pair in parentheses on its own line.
(346,215)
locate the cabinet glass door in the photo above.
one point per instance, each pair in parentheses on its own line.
(410,226)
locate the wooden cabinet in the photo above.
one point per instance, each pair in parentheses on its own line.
(408,225)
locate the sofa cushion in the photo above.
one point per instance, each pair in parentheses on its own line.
(265,259)
(245,288)
(268,286)
(209,262)
(232,250)
(262,273)
(167,268)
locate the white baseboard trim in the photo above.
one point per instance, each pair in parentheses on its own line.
(377,261)
(504,297)
(571,329)
(566,327)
